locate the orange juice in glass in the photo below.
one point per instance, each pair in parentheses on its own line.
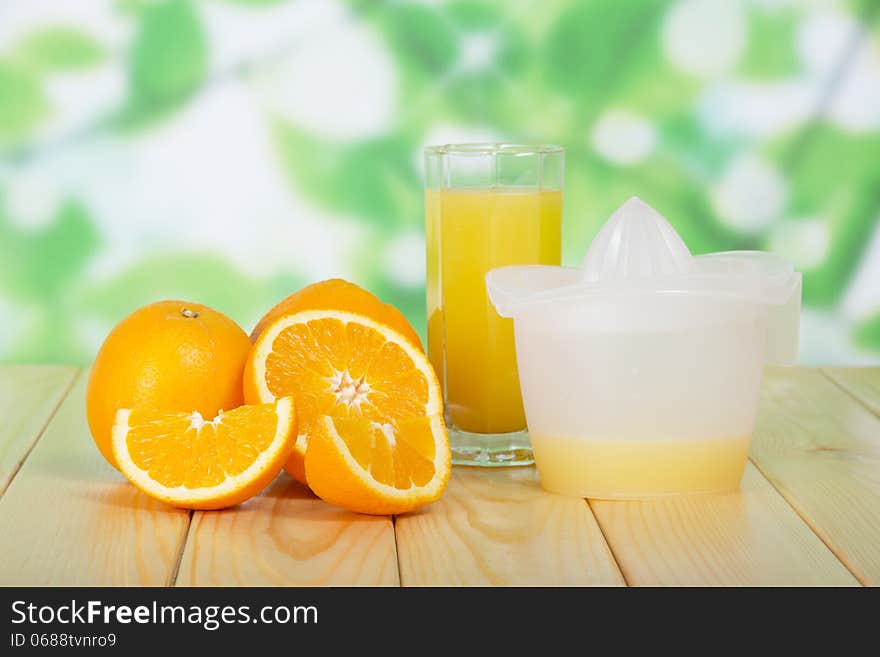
(486,206)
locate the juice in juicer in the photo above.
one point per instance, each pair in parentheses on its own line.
(640,371)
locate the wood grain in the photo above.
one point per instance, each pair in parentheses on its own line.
(863,383)
(288,537)
(750,538)
(821,449)
(810,516)
(69,518)
(29,396)
(498,527)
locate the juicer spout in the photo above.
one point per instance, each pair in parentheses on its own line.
(636,243)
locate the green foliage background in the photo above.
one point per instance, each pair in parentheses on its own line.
(230,151)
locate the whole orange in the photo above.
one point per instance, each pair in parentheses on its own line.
(339,294)
(173,356)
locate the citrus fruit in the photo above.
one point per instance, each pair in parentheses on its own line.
(169,356)
(188,461)
(339,294)
(378,468)
(343,364)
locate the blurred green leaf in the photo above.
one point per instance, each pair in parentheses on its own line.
(168,59)
(23,103)
(486,86)
(60,48)
(825,162)
(256,3)
(701,154)
(867,332)
(771,51)
(43,264)
(41,269)
(868,10)
(374,179)
(595,49)
(835,176)
(850,234)
(659,94)
(474,16)
(421,37)
(61,253)
(483,97)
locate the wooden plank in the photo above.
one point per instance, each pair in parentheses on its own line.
(288,537)
(750,538)
(29,396)
(821,449)
(863,383)
(69,518)
(498,527)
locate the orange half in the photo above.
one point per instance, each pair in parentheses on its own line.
(339,364)
(187,461)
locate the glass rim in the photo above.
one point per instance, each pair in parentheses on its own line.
(490,148)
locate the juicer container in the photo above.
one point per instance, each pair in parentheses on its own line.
(641,371)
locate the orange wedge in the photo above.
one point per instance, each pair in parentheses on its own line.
(378,468)
(187,461)
(341,364)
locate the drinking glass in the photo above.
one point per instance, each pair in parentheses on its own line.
(486,206)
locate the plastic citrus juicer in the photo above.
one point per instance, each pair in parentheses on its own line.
(640,371)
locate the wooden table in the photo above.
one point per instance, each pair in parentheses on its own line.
(808,512)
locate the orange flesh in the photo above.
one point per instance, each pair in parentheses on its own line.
(401,456)
(177,452)
(342,369)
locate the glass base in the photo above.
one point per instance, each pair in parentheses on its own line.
(490,450)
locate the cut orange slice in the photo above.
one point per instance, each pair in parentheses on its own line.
(341,364)
(378,468)
(187,461)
